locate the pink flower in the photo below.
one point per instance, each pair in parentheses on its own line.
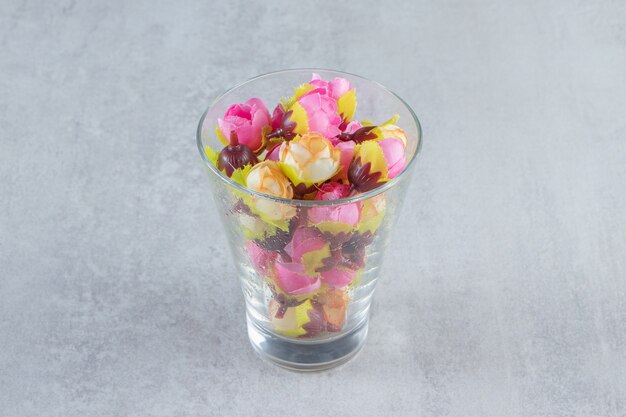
(338,89)
(334,88)
(248,120)
(332,191)
(259,257)
(393,150)
(292,279)
(347,153)
(321,114)
(335,218)
(338,277)
(304,240)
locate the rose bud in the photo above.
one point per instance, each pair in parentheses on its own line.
(248,120)
(309,159)
(297,273)
(391,139)
(235,155)
(309,110)
(266,177)
(368,168)
(340,218)
(341,91)
(335,88)
(393,151)
(293,280)
(308,248)
(393,142)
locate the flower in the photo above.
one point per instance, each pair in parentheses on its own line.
(266,177)
(332,191)
(368,168)
(297,269)
(317,106)
(392,131)
(304,240)
(309,159)
(308,248)
(309,110)
(248,120)
(393,142)
(335,88)
(338,277)
(341,91)
(315,112)
(259,257)
(340,218)
(293,280)
(393,151)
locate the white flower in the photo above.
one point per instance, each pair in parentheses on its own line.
(309,159)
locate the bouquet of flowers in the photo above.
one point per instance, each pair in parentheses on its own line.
(310,148)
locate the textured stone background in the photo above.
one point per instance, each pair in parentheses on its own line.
(504,290)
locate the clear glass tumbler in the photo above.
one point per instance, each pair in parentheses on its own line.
(324,323)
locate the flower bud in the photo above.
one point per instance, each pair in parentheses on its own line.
(309,159)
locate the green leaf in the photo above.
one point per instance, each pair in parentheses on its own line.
(393,120)
(346,105)
(298,92)
(211,154)
(313,260)
(221,137)
(240,174)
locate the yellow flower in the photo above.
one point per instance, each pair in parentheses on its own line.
(266,177)
(309,159)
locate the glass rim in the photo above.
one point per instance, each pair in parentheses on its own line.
(309,203)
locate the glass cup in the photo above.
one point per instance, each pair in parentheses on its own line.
(309,313)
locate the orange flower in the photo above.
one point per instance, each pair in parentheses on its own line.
(266,177)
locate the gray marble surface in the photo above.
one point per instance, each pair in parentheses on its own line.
(504,291)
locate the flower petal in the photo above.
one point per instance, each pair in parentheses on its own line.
(338,277)
(293,281)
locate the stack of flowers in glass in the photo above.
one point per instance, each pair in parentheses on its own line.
(297,223)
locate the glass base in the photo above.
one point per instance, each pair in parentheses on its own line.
(307,356)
